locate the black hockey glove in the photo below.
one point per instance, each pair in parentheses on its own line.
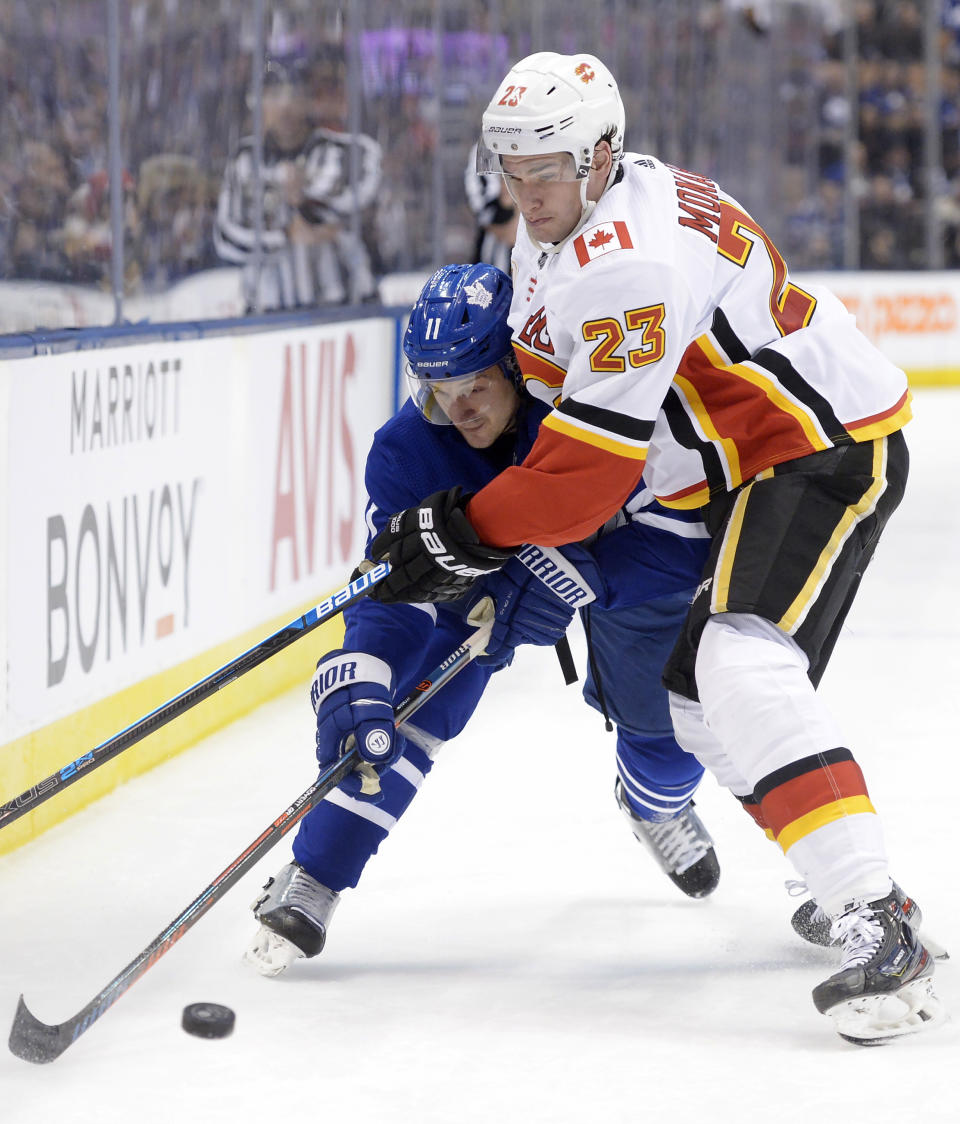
(434,553)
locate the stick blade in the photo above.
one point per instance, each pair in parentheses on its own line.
(34,1041)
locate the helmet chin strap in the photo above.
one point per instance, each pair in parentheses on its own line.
(586,210)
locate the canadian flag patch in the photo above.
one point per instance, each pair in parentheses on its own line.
(601,239)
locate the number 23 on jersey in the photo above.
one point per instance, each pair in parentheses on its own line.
(608,331)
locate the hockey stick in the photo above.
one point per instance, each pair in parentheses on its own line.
(35,1041)
(328,608)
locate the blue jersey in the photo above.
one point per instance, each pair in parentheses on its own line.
(645,552)
(410,459)
(650,559)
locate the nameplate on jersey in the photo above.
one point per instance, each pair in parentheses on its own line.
(558,574)
(602,239)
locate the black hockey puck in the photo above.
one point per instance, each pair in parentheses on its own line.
(208,1020)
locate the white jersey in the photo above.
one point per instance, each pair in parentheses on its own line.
(669,339)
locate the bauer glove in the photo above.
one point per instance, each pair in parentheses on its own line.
(352,697)
(433,551)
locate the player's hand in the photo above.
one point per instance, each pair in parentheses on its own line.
(352,697)
(535,603)
(433,551)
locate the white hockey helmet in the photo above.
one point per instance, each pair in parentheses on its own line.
(553,103)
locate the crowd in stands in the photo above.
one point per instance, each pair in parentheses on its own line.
(891,182)
(186,109)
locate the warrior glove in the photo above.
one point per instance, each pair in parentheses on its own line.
(352,697)
(434,553)
(536,595)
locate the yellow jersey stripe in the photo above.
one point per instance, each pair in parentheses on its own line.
(598,440)
(803,417)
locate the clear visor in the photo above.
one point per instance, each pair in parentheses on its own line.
(547,167)
(455,399)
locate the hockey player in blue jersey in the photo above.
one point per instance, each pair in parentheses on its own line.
(468,419)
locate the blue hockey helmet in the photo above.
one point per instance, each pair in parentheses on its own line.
(458,328)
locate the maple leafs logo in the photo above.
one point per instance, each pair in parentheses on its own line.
(600,239)
(585,72)
(478,294)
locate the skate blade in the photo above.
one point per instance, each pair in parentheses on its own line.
(270,954)
(872,1020)
(936,950)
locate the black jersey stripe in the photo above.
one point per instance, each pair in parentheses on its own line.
(686,435)
(791,380)
(798,769)
(621,425)
(728,339)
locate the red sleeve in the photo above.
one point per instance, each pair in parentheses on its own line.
(563,491)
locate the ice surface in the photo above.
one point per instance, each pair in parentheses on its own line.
(513,955)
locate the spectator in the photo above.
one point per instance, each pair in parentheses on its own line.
(37,203)
(177,239)
(87,235)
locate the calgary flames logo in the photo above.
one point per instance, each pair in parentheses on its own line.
(585,72)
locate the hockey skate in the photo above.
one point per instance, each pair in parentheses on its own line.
(682,846)
(884,988)
(813,925)
(294,911)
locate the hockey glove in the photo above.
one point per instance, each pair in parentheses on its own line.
(352,697)
(433,551)
(536,595)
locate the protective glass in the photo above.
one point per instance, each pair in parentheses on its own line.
(454,399)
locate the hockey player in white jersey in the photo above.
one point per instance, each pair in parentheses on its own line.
(658,320)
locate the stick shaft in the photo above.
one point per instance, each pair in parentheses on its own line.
(326,610)
(35,1041)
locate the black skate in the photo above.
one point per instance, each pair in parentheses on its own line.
(294,911)
(682,846)
(813,925)
(884,988)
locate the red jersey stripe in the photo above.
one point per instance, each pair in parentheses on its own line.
(563,491)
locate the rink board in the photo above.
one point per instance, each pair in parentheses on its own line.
(173,493)
(167,504)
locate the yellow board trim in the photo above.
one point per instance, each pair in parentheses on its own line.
(935,376)
(819,817)
(31,758)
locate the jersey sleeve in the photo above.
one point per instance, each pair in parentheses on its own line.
(398,634)
(630,320)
